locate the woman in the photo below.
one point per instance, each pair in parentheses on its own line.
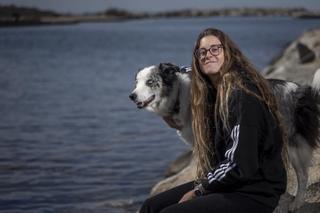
(238,136)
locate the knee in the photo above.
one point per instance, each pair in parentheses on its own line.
(152,205)
(147,206)
(172,209)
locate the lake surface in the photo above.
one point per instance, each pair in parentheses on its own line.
(70,138)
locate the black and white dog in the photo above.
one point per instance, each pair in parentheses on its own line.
(165,90)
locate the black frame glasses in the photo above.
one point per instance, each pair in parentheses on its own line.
(214,50)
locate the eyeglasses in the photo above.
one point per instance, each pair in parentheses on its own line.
(214,50)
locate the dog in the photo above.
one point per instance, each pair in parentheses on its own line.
(165,90)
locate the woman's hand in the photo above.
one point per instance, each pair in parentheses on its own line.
(187,196)
(172,123)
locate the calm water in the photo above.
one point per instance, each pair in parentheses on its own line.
(70,139)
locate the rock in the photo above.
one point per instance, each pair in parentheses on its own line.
(177,165)
(305,54)
(185,175)
(289,67)
(298,63)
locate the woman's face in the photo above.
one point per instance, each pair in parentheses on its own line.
(210,55)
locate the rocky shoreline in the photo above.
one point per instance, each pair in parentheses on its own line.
(298,62)
(22,16)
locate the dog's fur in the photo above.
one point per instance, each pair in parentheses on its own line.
(165,90)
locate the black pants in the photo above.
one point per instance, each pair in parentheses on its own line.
(167,202)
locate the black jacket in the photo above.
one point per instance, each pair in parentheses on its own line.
(248,157)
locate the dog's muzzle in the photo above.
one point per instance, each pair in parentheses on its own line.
(141,104)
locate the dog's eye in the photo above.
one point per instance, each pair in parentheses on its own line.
(149,82)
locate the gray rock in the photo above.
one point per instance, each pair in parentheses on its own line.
(289,67)
(180,163)
(306,55)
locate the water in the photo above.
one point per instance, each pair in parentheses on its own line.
(70,139)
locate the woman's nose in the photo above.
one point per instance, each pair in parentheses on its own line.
(208,56)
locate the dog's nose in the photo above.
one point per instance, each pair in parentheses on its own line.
(133,96)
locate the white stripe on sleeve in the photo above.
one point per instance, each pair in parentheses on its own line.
(223,169)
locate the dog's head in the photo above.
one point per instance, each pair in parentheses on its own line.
(154,86)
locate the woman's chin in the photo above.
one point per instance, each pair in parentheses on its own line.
(211,72)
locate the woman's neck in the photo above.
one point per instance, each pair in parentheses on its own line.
(214,79)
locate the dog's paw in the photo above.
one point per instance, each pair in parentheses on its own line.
(284,202)
(295,205)
(281,209)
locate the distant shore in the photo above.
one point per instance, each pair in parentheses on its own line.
(23,16)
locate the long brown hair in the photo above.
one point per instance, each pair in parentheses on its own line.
(207,108)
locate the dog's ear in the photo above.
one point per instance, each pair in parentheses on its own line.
(168,68)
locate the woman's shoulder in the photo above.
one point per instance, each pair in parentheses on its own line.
(248,97)
(249,89)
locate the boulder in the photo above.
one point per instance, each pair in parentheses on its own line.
(306,55)
(292,65)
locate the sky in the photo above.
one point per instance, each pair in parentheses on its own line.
(81,6)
